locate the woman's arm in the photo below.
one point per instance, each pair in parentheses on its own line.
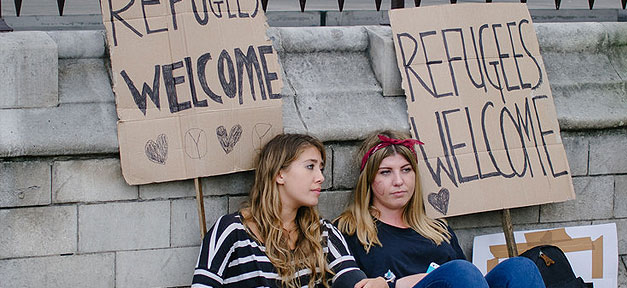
(410,281)
(405,282)
(214,253)
(347,273)
(456,246)
(372,283)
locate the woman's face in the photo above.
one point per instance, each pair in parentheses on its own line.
(300,183)
(393,184)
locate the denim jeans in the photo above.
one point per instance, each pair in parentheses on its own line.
(518,272)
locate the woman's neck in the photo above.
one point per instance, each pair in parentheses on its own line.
(288,218)
(391,217)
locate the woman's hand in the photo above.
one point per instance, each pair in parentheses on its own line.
(372,283)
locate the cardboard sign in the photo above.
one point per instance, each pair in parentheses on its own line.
(479,98)
(591,250)
(196,83)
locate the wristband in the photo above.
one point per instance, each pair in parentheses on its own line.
(390,278)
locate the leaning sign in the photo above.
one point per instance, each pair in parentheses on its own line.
(196,83)
(478,96)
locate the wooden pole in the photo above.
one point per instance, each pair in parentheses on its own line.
(201,208)
(508,230)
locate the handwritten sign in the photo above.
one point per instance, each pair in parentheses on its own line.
(197,86)
(478,96)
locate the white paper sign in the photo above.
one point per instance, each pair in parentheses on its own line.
(591,250)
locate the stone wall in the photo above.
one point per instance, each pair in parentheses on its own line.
(68,219)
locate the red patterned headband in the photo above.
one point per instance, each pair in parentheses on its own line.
(385,142)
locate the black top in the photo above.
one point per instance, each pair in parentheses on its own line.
(229,257)
(404,252)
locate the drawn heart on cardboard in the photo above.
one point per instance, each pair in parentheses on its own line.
(439,200)
(228,141)
(157,151)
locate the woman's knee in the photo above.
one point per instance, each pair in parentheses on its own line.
(463,268)
(519,265)
(454,274)
(515,272)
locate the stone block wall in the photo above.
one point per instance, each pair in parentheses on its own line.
(68,219)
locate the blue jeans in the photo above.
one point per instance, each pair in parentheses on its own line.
(518,272)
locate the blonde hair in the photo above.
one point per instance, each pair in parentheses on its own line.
(263,209)
(358,217)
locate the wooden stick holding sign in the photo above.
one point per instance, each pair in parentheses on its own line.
(508,230)
(201,208)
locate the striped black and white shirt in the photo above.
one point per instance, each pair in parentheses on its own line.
(229,257)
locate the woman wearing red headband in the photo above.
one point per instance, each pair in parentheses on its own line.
(391,236)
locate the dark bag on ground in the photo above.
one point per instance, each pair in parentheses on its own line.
(554,267)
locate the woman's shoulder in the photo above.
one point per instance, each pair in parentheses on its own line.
(227,224)
(228,219)
(329,230)
(444,224)
(327,225)
(325,222)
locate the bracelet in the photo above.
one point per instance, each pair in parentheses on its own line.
(390,278)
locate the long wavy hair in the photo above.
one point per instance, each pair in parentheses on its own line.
(360,216)
(263,209)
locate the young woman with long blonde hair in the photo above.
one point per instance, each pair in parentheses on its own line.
(391,236)
(278,239)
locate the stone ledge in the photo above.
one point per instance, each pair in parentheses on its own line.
(591,106)
(65,130)
(321,39)
(560,37)
(28,70)
(383,60)
(84,80)
(79,44)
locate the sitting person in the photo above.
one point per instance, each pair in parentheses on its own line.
(390,235)
(278,239)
